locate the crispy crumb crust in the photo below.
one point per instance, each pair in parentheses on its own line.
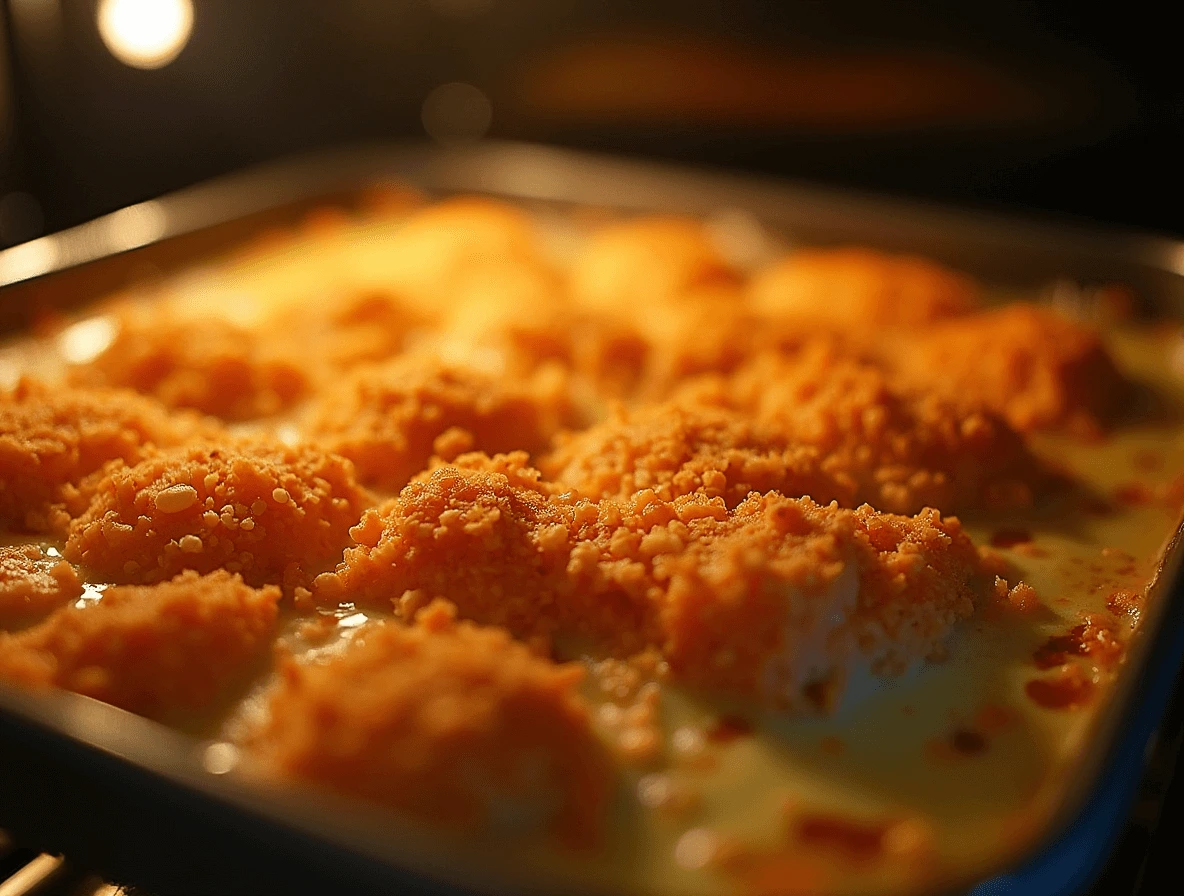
(1038,369)
(151,650)
(204,363)
(687,575)
(451,723)
(751,595)
(52,439)
(818,424)
(389,419)
(354,328)
(857,288)
(447,242)
(275,514)
(33,583)
(709,329)
(493,539)
(680,448)
(901,448)
(627,267)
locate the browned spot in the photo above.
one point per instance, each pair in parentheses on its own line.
(1054,652)
(1009,538)
(1134,494)
(1125,602)
(1094,638)
(1065,691)
(728,728)
(968,742)
(855,839)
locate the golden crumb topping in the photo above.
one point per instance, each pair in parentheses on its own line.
(1033,366)
(454,724)
(854,289)
(902,449)
(683,448)
(204,363)
(628,267)
(390,419)
(511,550)
(273,513)
(151,650)
(443,244)
(490,540)
(815,423)
(33,582)
(52,439)
(787,593)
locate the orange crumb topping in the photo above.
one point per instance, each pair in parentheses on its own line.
(895,449)
(151,650)
(626,267)
(1033,366)
(387,418)
(854,289)
(51,439)
(204,363)
(488,537)
(272,513)
(447,241)
(723,593)
(33,583)
(790,592)
(678,449)
(448,722)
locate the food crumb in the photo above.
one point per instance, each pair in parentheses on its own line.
(1125,602)
(1023,597)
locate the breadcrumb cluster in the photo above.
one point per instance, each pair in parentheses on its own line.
(513,452)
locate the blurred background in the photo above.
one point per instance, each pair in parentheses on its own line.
(1066,110)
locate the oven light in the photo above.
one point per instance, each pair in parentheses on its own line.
(145,33)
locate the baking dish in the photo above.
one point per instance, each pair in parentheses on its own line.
(61,269)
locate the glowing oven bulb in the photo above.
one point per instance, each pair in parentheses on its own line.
(145,33)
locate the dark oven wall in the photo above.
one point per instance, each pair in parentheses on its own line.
(1073,111)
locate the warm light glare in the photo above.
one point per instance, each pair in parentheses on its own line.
(145,33)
